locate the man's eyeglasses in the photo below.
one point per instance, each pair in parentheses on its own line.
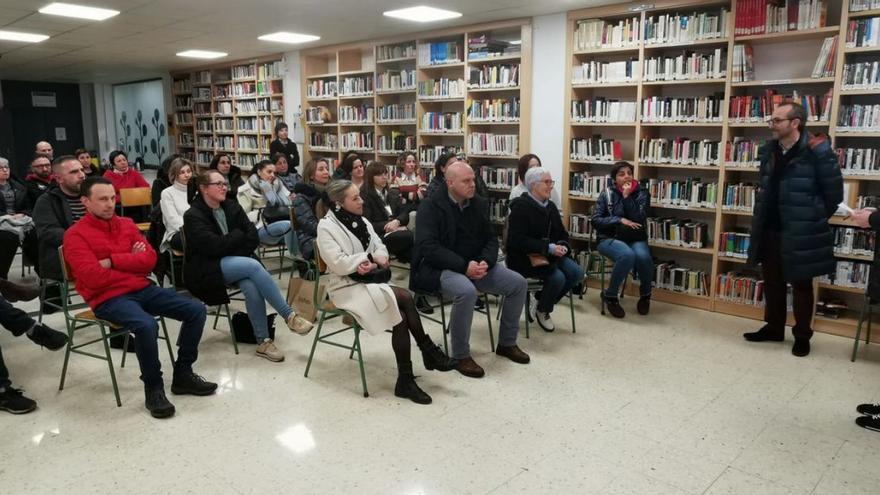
(776,121)
(221,185)
(41,165)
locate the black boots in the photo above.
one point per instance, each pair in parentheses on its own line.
(644,305)
(435,358)
(407,388)
(157,403)
(612,304)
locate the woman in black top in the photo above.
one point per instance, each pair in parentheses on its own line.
(223,164)
(384,210)
(283,145)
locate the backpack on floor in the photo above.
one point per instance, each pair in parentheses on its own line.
(244,331)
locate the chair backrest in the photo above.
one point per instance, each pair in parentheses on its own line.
(294,222)
(135,196)
(319,268)
(504,234)
(66,274)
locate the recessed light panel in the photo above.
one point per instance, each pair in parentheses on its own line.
(201,54)
(23,37)
(78,11)
(422,13)
(291,38)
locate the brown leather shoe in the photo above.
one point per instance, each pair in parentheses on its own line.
(514,353)
(468,367)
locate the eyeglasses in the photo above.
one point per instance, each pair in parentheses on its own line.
(776,121)
(221,185)
(41,165)
(550,183)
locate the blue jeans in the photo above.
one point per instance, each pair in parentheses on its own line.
(258,288)
(136,312)
(565,275)
(625,257)
(279,231)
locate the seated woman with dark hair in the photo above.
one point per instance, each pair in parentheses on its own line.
(352,169)
(289,177)
(408,181)
(162,182)
(266,202)
(619,218)
(220,242)
(526,162)
(352,251)
(535,232)
(121,174)
(384,210)
(316,176)
(223,164)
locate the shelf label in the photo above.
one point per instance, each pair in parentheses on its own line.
(776,81)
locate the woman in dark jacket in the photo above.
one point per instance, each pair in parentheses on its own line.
(162,182)
(619,218)
(535,230)
(285,146)
(220,242)
(14,202)
(384,210)
(223,164)
(316,176)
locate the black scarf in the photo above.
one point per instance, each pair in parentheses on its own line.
(355,224)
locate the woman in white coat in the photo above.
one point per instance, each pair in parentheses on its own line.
(175,202)
(350,247)
(266,202)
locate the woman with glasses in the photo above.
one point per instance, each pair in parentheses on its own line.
(384,210)
(538,246)
(267,203)
(220,243)
(525,163)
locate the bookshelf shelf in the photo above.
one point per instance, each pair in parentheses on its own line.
(441,66)
(396,123)
(356,97)
(702,251)
(603,124)
(356,72)
(727,259)
(396,92)
(423,99)
(737,213)
(785,82)
(500,58)
(678,166)
(395,60)
(840,288)
(864,13)
(862,177)
(429,133)
(797,35)
(698,209)
(862,49)
(583,198)
(734,168)
(682,124)
(854,257)
(859,92)
(605,85)
(709,42)
(684,82)
(491,122)
(603,51)
(356,124)
(493,90)
(494,157)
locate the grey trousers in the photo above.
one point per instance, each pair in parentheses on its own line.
(463,293)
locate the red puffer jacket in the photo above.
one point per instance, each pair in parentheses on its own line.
(90,240)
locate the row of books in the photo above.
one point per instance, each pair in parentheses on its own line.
(439,53)
(321,88)
(867,201)
(861,75)
(595,149)
(686,66)
(678,232)
(498,209)
(858,161)
(684,28)
(687,193)
(441,88)
(852,274)
(743,64)
(487,143)
(202,93)
(499,178)
(484,46)
(390,52)
(494,110)
(325,140)
(824,66)
(863,32)
(356,140)
(679,151)
(244,89)
(858,242)
(224,124)
(603,110)
(740,289)
(659,109)
(356,86)
(586,184)
(742,152)
(396,80)
(861,5)
(739,197)
(182,101)
(222,91)
(181,85)
(396,142)
(247,124)
(360,114)
(183,118)
(248,71)
(734,244)
(858,117)
(318,115)
(759,108)
(594,34)
(494,76)
(602,72)
(185,139)
(442,122)
(205,125)
(579,225)
(776,16)
(429,154)
(397,112)
(669,276)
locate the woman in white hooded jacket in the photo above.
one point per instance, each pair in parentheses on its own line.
(267,202)
(350,247)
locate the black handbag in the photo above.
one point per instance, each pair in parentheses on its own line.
(624,233)
(244,331)
(275,213)
(377,276)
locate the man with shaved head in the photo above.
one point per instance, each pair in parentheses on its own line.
(44,148)
(456,254)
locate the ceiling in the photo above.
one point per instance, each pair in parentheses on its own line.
(141,42)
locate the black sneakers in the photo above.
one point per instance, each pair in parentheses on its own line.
(869,409)
(12,400)
(871,422)
(801,347)
(157,403)
(764,335)
(189,383)
(47,337)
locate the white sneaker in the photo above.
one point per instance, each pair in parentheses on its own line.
(268,350)
(544,321)
(299,324)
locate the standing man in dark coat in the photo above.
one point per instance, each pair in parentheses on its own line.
(800,188)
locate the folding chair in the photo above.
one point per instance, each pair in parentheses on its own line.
(136,197)
(868,307)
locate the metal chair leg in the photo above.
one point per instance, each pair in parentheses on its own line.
(443,325)
(231,331)
(571,308)
(167,340)
(314,343)
(866,310)
(124,349)
(110,364)
(357,345)
(489,322)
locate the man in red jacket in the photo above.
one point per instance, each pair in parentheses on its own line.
(110,261)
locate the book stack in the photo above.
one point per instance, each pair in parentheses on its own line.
(740,289)
(686,66)
(390,52)
(441,88)
(222,91)
(599,72)
(679,232)
(685,28)
(225,108)
(826,59)
(498,210)
(853,241)
(499,178)
(184,118)
(689,193)
(830,308)
(601,110)
(185,139)
(316,115)
(265,88)
(226,143)
(852,274)
(428,154)
(759,108)
(182,102)
(396,142)
(244,89)
(669,276)
(861,75)
(320,88)
(595,149)
(204,157)
(857,118)
(660,109)
(203,77)
(224,124)
(863,32)
(361,114)
(735,244)
(579,225)
(742,153)
(442,122)
(487,143)
(356,86)
(357,141)
(494,76)
(858,161)
(181,85)
(439,53)
(246,142)
(247,124)
(203,125)
(679,151)
(483,47)
(494,110)
(739,197)
(397,112)
(587,185)
(245,107)
(203,93)
(271,70)
(594,34)
(244,71)
(396,80)
(776,16)
(323,141)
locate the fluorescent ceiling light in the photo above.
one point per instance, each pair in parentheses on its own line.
(201,54)
(422,14)
(78,11)
(292,38)
(25,37)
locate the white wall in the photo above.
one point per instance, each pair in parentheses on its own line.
(548,91)
(105,119)
(293,98)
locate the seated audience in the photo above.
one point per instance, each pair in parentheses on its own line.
(282,144)
(162,182)
(223,164)
(45,148)
(110,260)
(535,235)
(16,224)
(121,175)
(343,171)
(619,218)
(266,202)
(446,159)
(316,176)
(39,179)
(456,253)
(384,210)
(358,267)
(19,323)
(525,163)
(85,159)
(175,202)
(220,242)
(288,177)
(409,182)
(352,169)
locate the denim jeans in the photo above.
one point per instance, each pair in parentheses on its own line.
(17,322)
(258,288)
(625,257)
(136,312)
(279,231)
(565,275)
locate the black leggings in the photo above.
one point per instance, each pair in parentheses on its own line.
(411,324)
(400,244)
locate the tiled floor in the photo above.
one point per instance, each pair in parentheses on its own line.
(672,403)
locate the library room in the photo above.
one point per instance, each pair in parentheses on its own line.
(391,247)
